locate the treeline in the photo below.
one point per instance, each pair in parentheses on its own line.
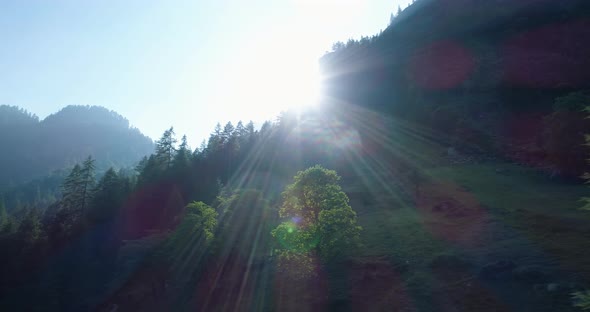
(501,80)
(240,172)
(34,148)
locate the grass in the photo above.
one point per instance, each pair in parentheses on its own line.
(522,215)
(546,211)
(497,211)
(507,187)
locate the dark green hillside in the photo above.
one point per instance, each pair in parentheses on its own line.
(33,148)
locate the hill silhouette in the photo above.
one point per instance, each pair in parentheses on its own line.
(33,148)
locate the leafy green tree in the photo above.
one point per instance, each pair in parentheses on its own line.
(203,217)
(319,215)
(244,223)
(196,231)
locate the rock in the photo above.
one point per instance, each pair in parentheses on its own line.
(497,270)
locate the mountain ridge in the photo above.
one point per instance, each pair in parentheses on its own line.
(40,146)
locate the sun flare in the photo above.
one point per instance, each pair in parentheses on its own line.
(262,83)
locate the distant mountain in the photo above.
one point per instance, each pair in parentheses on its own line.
(32,148)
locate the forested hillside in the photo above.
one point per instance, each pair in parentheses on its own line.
(33,148)
(484,74)
(443,171)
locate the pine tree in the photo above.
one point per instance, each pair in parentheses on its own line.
(201,149)
(87,182)
(165,150)
(8,224)
(71,189)
(29,229)
(215,140)
(240,129)
(228,132)
(250,129)
(183,153)
(109,194)
(141,164)
(3,214)
(182,159)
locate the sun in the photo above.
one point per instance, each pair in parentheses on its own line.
(305,88)
(262,85)
(281,84)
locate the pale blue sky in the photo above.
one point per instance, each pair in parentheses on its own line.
(189,64)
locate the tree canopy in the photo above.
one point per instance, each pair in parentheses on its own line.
(319,216)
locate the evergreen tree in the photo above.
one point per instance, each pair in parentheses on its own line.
(228,132)
(250,129)
(109,194)
(71,189)
(165,148)
(215,139)
(3,214)
(9,226)
(7,223)
(182,158)
(30,230)
(150,171)
(240,129)
(87,181)
(141,164)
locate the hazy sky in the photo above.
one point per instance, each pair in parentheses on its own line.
(187,64)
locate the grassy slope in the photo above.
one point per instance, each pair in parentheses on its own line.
(424,253)
(478,214)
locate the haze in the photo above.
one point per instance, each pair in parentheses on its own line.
(191,64)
